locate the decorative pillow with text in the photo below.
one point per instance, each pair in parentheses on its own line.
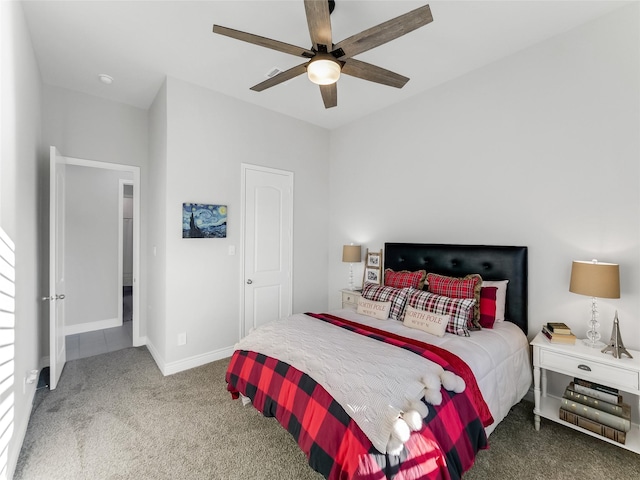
(430,322)
(371,308)
(458,309)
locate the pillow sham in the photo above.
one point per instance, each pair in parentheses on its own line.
(458,309)
(488,306)
(371,308)
(429,322)
(405,278)
(454,287)
(501,296)
(397,297)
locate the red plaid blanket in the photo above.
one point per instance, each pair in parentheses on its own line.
(334,444)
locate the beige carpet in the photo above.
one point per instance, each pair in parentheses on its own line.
(114,416)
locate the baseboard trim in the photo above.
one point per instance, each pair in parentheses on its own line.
(91,326)
(196,361)
(156,356)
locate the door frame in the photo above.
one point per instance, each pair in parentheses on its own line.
(138,340)
(244,167)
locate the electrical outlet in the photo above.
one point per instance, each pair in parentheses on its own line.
(182,338)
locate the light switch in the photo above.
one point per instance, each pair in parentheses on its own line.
(232,249)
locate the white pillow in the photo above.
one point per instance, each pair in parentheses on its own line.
(501,296)
(371,308)
(429,322)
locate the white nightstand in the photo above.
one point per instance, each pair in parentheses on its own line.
(350,298)
(590,364)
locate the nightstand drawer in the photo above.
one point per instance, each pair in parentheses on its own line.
(350,298)
(589,369)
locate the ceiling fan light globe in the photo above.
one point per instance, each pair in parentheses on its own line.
(323,71)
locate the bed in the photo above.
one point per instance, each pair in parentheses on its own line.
(367,398)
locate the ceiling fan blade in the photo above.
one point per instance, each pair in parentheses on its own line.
(383,33)
(264,42)
(329,95)
(280,78)
(367,71)
(319,23)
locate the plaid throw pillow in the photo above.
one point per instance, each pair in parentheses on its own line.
(458,309)
(488,306)
(452,287)
(404,278)
(397,297)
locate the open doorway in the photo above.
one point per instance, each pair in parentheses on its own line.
(101,261)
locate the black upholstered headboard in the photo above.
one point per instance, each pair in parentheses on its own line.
(491,262)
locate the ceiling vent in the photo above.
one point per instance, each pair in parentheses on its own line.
(273,72)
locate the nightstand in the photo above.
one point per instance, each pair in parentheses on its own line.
(350,299)
(590,364)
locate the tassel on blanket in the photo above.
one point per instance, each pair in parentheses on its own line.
(452,382)
(420,407)
(433,382)
(414,419)
(395,446)
(409,421)
(432,385)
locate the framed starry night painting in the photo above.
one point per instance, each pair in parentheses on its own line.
(200,220)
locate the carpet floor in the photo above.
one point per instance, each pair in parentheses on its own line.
(114,416)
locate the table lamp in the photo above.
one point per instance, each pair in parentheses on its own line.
(595,280)
(351,254)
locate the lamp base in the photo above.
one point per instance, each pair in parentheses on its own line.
(596,344)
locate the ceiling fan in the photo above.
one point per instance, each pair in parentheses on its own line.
(328,60)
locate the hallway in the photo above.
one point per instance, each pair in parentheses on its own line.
(97,342)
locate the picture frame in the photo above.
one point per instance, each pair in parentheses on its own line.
(200,220)
(372,275)
(373,271)
(373,259)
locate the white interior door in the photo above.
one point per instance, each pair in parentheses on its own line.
(57,350)
(268,215)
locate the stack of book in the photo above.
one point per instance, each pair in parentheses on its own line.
(597,408)
(558,332)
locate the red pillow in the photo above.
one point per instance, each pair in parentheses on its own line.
(404,279)
(488,306)
(453,287)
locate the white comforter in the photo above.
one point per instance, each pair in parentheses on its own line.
(498,357)
(340,361)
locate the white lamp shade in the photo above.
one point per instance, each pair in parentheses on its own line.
(323,71)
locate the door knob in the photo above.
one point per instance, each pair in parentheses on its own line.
(249,282)
(44,299)
(60,297)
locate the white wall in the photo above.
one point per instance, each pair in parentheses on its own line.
(209,135)
(539,149)
(91,247)
(156,252)
(92,128)
(20,169)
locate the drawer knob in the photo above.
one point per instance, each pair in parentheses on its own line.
(584,367)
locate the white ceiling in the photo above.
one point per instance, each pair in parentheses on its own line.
(140,42)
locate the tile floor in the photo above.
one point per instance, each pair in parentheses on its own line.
(89,344)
